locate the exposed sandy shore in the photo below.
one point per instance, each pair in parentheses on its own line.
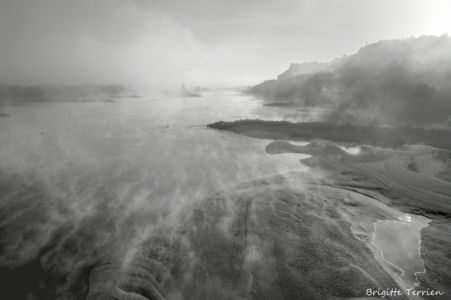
(378,136)
(303,235)
(410,179)
(276,238)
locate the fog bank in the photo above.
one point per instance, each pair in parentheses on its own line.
(392,82)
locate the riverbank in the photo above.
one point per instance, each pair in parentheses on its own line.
(377,136)
(407,178)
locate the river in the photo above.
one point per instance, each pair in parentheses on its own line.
(119,168)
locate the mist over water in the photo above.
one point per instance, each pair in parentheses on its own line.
(124,174)
(84,179)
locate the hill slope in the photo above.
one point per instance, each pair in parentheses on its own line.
(392,82)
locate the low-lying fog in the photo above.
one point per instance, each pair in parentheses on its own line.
(117,170)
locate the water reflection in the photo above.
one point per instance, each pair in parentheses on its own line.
(399,241)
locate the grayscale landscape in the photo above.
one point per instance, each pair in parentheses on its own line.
(221,150)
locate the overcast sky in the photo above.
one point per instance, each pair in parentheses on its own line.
(162,42)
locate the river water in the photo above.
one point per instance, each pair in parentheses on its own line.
(133,163)
(137,149)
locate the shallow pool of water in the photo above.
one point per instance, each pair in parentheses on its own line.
(399,242)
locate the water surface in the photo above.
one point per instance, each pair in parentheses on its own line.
(400,242)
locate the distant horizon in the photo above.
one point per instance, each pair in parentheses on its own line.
(215,85)
(160,44)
